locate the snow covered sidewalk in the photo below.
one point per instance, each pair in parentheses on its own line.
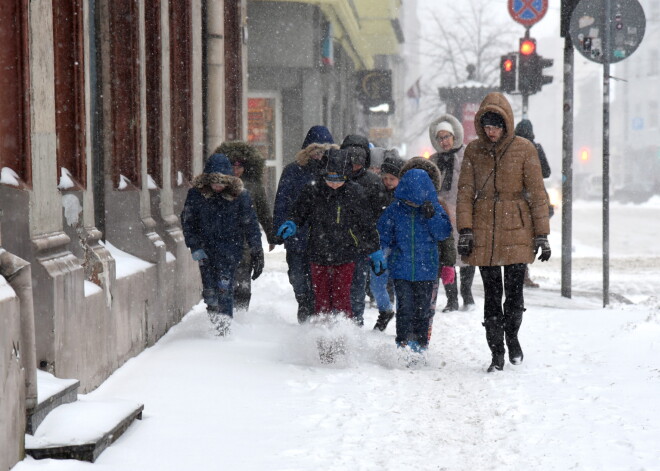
(587,396)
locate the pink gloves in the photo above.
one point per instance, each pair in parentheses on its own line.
(447,275)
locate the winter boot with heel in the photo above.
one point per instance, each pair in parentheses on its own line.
(511,328)
(495,339)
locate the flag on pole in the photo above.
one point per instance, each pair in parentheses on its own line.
(415,92)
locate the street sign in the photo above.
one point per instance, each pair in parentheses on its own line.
(527,12)
(625,23)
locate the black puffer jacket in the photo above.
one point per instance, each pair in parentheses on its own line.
(340,226)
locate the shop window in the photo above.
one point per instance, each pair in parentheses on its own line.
(181,90)
(153,64)
(264,133)
(125,90)
(15,162)
(69,93)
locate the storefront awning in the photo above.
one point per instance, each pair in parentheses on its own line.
(365,28)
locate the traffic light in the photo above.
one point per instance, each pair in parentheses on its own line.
(527,66)
(509,72)
(530,68)
(585,154)
(543,64)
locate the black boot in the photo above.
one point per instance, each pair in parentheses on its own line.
(511,327)
(495,339)
(384,318)
(452,297)
(497,364)
(467,276)
(305,308)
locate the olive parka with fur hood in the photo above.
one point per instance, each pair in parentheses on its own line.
(494,179)
(253,163)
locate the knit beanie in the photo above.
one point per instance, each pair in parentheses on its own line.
(444,126)
(338,165)
(218,163)
(392,163)
(490,118)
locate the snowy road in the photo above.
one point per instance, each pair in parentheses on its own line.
(585,398)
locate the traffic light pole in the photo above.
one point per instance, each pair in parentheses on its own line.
(607,12)
(525,105)
(567,172)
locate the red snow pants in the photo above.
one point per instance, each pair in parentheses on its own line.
(332,288)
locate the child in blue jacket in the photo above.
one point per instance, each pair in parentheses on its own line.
(410,229)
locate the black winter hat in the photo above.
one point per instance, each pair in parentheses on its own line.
(361,142)
(490,118)
(338,166)
(392,163)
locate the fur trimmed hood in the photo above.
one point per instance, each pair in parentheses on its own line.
(456,126)
(303,155)
(240,151)
(234,185)
(218,170)
(426,165)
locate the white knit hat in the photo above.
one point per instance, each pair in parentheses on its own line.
(444,126)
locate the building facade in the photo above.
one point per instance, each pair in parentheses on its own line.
(636,116)
(107,110)
(305,63)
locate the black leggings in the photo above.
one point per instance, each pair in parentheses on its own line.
(514,275)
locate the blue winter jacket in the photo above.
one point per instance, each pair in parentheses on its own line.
(293,179)
(411,238)
(219,223)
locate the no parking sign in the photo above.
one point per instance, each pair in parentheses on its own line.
(527,12)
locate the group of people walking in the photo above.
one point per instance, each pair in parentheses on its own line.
(352,216)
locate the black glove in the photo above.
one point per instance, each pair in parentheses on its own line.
(541,242)
(257,262)
(428,210)
(465,242)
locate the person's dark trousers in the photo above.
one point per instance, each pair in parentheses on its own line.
(467,277)
(412,311)
(243,281)
(432,305)
(358,288)
(300,278)
(218,285)
(496,318)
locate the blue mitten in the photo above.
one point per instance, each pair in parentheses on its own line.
(287,229)
(378,262)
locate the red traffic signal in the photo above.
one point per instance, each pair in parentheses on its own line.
(527,46)
(508,73)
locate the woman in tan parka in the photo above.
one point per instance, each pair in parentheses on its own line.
(502,219)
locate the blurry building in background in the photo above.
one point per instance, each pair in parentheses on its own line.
(635,167)
(107,110)
(311,62)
